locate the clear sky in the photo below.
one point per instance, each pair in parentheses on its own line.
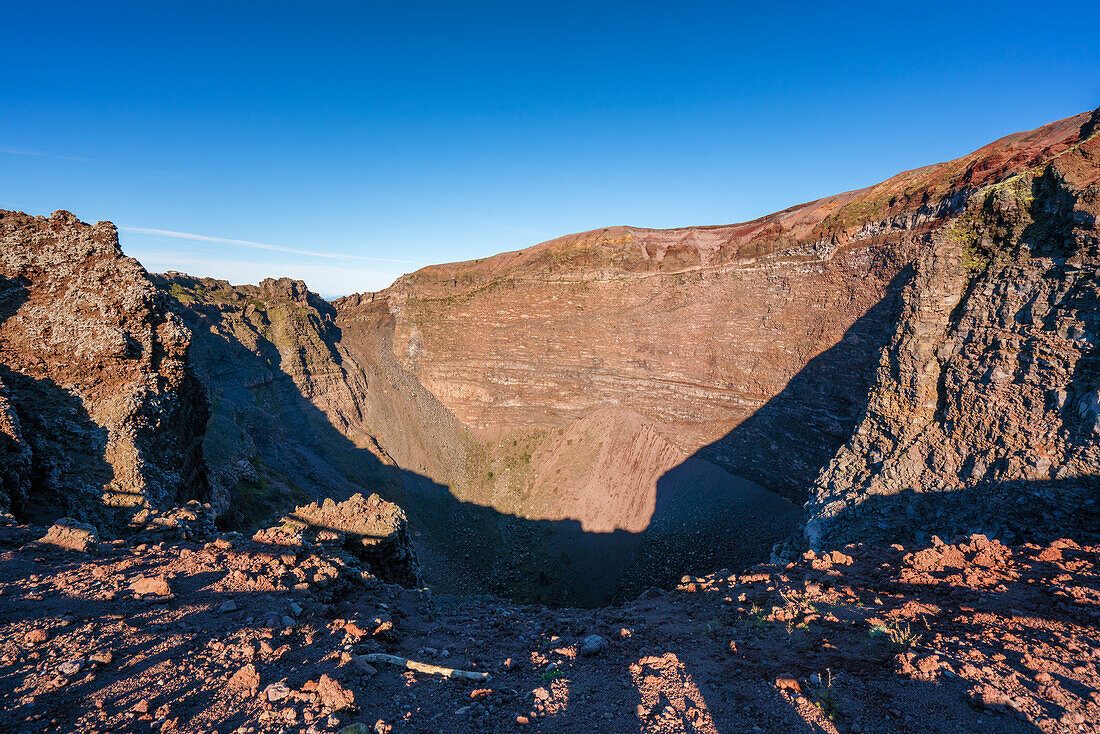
(357,141)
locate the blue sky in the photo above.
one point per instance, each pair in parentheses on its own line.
(364,140)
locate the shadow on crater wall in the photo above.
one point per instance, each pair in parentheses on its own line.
(706,517)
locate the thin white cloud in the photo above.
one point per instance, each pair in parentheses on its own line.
(329,281)
(41,154)
(261,245)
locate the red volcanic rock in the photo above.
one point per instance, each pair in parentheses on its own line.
(36,636)
(71,535)
(848,646)
(246,681)
(151,586)
(333,695)
(97,400)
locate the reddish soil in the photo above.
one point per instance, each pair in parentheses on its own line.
(974,636)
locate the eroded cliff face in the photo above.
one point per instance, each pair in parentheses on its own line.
(752,346)
(985,411)
(581,419)
(621,404)
(287,406)
(99,410)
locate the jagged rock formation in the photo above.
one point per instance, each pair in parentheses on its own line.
(286,421)
(567,420)
(985,413)
(99,410)
(369,528)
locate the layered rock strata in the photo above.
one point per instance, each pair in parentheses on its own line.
(752,344)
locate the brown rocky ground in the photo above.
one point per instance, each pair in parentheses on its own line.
(230,635)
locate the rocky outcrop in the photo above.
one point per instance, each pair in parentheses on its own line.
(984,413)
(369,528)
(99,411)
(286,422)
(71,535)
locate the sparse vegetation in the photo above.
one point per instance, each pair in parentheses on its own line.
(898,633)
(712,628)
(825,697)
(548,676)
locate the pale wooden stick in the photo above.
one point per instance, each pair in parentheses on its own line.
(378,657)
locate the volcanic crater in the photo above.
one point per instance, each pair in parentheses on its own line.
(751,455)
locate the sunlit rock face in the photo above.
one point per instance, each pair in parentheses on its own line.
(984,414)
(755,344)
(99,409)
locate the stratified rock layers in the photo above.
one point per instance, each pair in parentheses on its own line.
(754,345)
(578,419)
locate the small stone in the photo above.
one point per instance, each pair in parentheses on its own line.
(229,606)
(333,695)
(592,645)
(355,729)
(276,692)
(522,720)
(988,697)
(788,684)
(245,680)
(155,586)
(541,694)
(70,667)
(36,636)
(364,668)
